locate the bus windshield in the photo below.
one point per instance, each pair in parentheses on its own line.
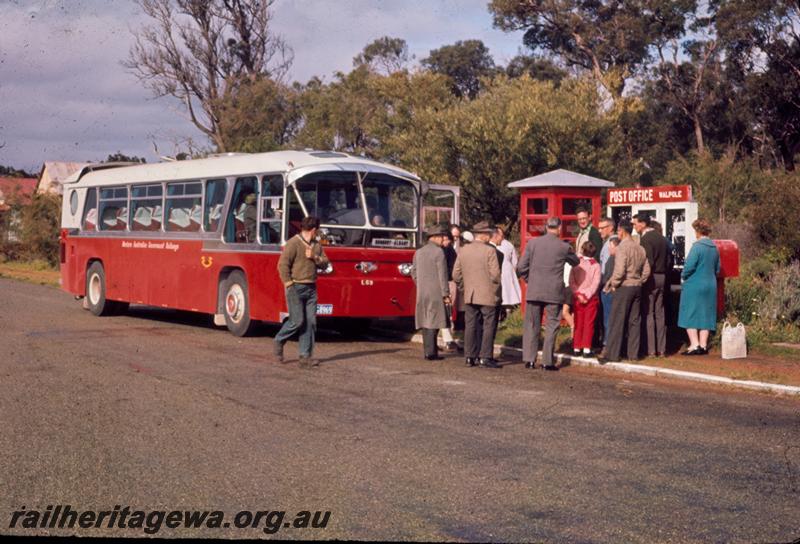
(375,210)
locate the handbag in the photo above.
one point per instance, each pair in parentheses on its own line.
(734,341)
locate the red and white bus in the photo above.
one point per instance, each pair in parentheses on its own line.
(205,235)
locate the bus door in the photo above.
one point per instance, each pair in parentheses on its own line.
(440,205)
(271,209)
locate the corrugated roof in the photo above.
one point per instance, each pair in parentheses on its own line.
(561,178)
(59,171)
(20,186)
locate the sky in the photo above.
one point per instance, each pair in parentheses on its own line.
(64,95)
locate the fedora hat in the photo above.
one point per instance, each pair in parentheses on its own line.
(436,230)
(483,226)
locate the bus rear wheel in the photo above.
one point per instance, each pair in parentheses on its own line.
(96,299)
(236,304)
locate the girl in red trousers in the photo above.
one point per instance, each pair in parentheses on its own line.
(584,281)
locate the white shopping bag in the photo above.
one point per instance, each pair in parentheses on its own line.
(734,341)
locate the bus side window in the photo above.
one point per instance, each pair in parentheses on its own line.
(182,209)
(240,225)
(215,198)
(90,210)
(113,208)
(146,206)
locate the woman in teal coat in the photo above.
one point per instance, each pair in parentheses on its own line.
(698,308)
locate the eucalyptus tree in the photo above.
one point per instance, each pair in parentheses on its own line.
(201,51)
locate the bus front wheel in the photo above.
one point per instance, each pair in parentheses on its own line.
(237,305)
(96,299)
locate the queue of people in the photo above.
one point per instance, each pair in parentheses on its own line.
(614,283)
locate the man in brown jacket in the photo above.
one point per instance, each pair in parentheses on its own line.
(631,270)
(297,268)
(477,274)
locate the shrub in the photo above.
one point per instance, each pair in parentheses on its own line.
(39,228)
(765,331)
(781,302)
(773,213)
(742,298)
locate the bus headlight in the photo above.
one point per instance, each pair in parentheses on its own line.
(327,270)
(405,269)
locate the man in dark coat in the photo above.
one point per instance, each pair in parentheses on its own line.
(657,251)
(430,276)
(542,267)
(477,273)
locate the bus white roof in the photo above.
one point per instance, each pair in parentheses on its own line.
(229,165)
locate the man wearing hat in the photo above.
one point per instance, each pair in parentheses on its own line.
(542,267)
(430,276)
(477,274)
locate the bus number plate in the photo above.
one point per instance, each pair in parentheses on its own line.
(324,309)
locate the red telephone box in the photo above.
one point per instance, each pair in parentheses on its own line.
(559,193)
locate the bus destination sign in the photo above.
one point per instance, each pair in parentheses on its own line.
(650,195)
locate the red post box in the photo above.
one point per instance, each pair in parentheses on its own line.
(729,268)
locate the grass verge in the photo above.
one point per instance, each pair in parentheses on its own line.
(38,272)
(765,362)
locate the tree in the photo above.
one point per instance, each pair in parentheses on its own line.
(723,187)
(263,115)
(690,85)
(612,39)
(465,62)
(762,42)
(775,99)
(516,128)
(537,67)
(384,55)
(363,112)
(201,51)
(121,157)
(40,223)
(11,172)
(338,115)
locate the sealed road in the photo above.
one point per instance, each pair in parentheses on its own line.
(157,410)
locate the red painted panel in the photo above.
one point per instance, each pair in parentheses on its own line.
(648,195)
(180,274)
(728,257)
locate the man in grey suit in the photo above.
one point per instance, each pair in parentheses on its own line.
(430,276)
(542,267)
(477,273)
